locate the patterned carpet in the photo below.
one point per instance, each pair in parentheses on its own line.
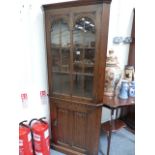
(122,143)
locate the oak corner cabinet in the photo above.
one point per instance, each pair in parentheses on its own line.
(76,43)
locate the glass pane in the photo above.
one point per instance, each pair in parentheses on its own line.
(84,56)
(78,60)
(65,34)
(65,60)
(60,48)
(57,83)
(61,83)
(56,59)
(55,34)
(65,46)
(83,85)
(77,85)
(55,46)
(88,86)
(84,32)
(89,60)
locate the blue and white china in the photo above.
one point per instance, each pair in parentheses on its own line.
(123,94)
(132,89)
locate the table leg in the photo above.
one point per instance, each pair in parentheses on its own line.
(117,113)
(110,132)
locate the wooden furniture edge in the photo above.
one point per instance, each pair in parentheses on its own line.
(74,4)
(84,103)
(65,150)
(117,125)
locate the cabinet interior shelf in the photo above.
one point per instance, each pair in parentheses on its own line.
(85,64)
(88,48)
(59,47)
(76,47)
(74,73)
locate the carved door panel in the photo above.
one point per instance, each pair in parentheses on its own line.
(75,125)
(79,129)
(72,125)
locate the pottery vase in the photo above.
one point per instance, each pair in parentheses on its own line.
(112,76)
(124,90)
(132,89)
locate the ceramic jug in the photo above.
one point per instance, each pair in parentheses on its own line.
(124,90)
(132,89)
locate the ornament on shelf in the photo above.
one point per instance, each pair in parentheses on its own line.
(129,73)
(112,74)
(124,90)
(132,89)
(118,86)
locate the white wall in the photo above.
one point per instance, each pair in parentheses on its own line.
(33,67)
(25,61)
(121,17)
(33,70)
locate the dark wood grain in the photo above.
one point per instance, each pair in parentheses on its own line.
(103,51)
(74,4)
(116,102)
(66,150)
(128,114)
(117,124)
(131,58)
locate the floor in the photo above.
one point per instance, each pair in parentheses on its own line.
(56,153)
(122,143)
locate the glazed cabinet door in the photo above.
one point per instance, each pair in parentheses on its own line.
(72,50)
(84,51)
(60,55)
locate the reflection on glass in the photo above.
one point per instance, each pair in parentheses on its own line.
(78,85)
(65,60)
(90,55)
(60,48)
(83,56)
(56,60)
(65,34)
(55,34)
(83,85)
(89,70)
(61,83)
(89,60)
(77,58)
(88,86)
(84,32)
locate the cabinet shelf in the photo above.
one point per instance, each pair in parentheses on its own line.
(85,74)
(74,73)
(85,64)
(61,72)
(87,48)
(60,47)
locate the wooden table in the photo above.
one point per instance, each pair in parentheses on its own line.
(114,103)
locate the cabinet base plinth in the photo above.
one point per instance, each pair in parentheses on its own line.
(65,150)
